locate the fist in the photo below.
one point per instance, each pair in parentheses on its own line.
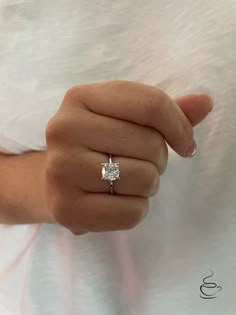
(133,122)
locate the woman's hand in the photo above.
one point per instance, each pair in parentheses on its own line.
(132,122)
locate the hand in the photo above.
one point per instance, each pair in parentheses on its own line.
(131,121)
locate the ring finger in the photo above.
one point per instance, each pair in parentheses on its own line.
(84,171)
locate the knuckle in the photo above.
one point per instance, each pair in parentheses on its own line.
(56,129)
(150,180)
(154,97)
(139,212)
(51,130)
(157,150)
(155,187)
(60,130)
(154,143)
(73,92)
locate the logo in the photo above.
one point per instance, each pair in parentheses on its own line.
(209,289)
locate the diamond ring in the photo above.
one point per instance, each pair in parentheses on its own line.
(111,172)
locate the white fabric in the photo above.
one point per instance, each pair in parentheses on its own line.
(182,47)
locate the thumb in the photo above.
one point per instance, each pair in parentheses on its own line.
(195,107)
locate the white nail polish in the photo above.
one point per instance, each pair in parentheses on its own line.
(192,151)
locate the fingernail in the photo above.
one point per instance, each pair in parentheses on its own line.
(210,103)
(210,100)
(192,150)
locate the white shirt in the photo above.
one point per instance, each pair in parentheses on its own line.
(182,47)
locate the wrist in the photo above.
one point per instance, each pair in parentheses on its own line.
(22,189)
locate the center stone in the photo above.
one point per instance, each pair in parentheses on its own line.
(110,171)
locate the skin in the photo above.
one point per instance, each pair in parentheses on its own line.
(132,121)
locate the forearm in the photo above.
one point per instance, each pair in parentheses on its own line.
(22,196)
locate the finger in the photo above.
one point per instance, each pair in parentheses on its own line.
(137,178)
(122,138)
(83,171)
(195,106)
(103,212)
(79,232)
(141,104)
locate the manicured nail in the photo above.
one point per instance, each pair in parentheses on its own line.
(210,101)
(192,150)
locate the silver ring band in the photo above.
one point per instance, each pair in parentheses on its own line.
(111,181)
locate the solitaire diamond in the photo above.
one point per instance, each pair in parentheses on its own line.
(110,171)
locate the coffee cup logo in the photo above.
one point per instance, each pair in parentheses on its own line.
(209,289)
